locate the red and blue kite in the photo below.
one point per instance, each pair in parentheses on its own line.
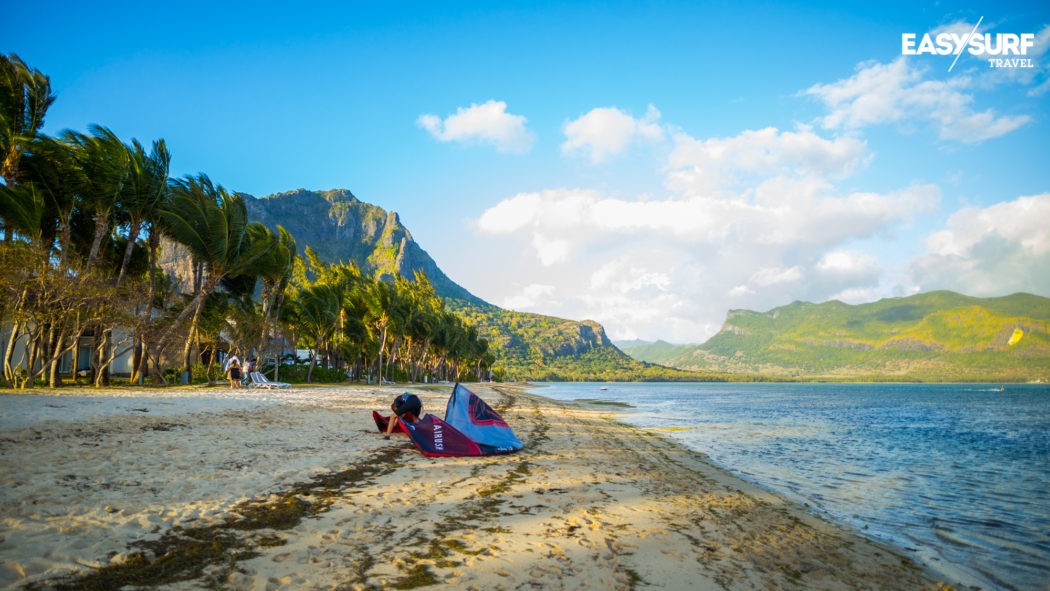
(470,428)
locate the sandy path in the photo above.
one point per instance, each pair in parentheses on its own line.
(295,490)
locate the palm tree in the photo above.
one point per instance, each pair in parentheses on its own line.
(51,168)
(317,311)
(213,225)
(25,95)
(146,193)
(145,190)
(275,271)
(106,163)
(49,180)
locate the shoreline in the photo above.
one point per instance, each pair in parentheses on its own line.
(590,501)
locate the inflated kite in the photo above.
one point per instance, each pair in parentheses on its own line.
(470,428)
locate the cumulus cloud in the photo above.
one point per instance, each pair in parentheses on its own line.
(607,131)
(683,260)
(896,92)
(768,276)
(530,297)
(487,123)
(699,166)
(991,250)
(763,217)
(623,277)
(782,213)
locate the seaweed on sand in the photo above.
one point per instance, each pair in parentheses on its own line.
(189,553)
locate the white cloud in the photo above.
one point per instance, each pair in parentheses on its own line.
(512,214)
(769,276)
(847,263)
(763,217)
(488,123)
(530,297)
(551,250)
(701,166)
(608,131)
(715,243)
(896,92)
(991,250)
(621,277)
(682,261)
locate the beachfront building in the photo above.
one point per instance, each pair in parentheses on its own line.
(78,360)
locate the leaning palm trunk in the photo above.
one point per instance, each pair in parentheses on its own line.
(103,355)
(54,378)
(187,366)
(133,236)
(9,354)
(139,366)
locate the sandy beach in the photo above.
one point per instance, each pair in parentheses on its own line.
(205,488)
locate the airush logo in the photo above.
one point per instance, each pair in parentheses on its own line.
(1002,50)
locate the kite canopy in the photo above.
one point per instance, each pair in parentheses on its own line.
(470,428)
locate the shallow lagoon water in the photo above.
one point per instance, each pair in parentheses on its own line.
(957,475)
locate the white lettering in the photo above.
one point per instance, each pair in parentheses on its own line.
(439,442)
(946,44)
(999,62)
(926,45)
(1027,42)
(979,44)
(908,44)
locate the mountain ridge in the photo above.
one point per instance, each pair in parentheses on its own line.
(356,231)
(937,335)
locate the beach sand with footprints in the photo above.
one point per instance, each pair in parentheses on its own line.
(204,488)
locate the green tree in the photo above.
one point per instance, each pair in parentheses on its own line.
(105,161)
(144,193)
(25,96)
(213,225)
(317,311)
(275,271)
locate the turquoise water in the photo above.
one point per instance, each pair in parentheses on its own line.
(956,475)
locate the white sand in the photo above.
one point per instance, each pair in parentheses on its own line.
(589,504)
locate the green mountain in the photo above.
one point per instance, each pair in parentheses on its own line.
(935,336)
(660,352)
(340,227)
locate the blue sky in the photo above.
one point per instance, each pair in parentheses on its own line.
(647,165)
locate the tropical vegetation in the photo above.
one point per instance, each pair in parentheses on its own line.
(84,217)
(932,336)
(533,347)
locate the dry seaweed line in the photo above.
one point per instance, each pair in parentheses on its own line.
(187,553)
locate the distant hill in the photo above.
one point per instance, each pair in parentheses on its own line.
(660,352)
(935,336)
(340,227)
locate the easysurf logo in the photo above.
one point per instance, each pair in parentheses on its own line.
(1002,50)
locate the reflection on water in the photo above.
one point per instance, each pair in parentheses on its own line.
(958,474)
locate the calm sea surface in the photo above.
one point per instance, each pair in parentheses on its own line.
(957,475)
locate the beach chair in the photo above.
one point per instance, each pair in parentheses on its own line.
(261,381)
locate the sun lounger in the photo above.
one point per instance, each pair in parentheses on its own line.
(261,381)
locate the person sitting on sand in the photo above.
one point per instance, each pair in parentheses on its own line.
(407,407)
(233,373)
